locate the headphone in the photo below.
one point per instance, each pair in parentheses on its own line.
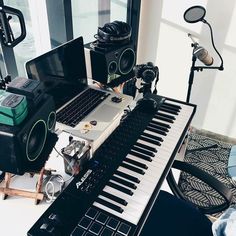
(114,32)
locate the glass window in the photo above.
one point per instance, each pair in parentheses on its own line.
(88,15)
(84,17)
(36,40)
(25,49)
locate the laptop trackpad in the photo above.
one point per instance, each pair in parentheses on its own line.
(105,113)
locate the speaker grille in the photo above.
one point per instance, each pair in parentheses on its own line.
(126,61)
(36,140)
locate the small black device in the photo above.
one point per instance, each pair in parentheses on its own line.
(147,72)
(32,89)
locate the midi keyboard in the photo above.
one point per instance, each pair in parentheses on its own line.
(115,193)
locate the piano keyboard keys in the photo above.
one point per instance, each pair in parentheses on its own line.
(133,168)
(127,176)
(171,111)
(144,164)
(156,130)
(120,188)
(146,152)
(124,182)
(155,137)
(136,163)
(114,198)
(109,205)
(145,147)
(149,140)
(141,156)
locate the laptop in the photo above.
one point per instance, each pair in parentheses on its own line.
(82,110)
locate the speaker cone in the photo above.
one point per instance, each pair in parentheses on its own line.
(36,140)
(112,67)
(127,60)
(51,120)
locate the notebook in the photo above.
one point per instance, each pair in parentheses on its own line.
(82,110)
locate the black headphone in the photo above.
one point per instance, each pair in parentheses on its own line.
(114,32)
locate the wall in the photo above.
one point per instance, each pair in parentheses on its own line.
(163,39)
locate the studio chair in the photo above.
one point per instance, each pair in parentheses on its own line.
(206,192)
(179,214)
(171,216)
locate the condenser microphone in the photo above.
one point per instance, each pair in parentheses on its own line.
(203,55)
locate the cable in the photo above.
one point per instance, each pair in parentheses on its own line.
(50,182)
(50,186)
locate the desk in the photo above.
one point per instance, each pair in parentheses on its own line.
(18,214)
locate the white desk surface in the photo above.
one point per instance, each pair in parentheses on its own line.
(18,214)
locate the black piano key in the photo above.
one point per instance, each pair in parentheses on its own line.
(124,182)
(168,110)
(150,140)
(165,115)
(156,130)
(173,105)
(140,155)
(114,198)
(133,168)
(161,124)
(146,152)
(158,127)
(152,149)
(109,205)
(164,119)
(171,108)
(152,136)
(127,176)
(120,188)
(136,163)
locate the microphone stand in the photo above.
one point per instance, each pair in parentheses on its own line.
(201,68)
(196,68)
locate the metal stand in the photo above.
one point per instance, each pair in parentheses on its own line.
(197,68)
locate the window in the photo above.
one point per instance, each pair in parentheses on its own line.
(88,15)
(52,22)
(30,46)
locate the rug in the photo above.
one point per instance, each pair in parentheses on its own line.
(214,161)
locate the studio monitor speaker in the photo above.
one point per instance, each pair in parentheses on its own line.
(106,64)
(24,147)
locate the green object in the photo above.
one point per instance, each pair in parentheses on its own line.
(13,108)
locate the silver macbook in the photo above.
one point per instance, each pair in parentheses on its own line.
(82,110)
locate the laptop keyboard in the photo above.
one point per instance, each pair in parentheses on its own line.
(80,107)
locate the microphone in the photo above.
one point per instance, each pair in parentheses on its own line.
(203,55)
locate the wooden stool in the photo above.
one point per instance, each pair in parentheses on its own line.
(37,195)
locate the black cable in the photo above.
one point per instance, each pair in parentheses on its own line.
(213,44)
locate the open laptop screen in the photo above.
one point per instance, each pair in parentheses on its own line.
(62,70)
